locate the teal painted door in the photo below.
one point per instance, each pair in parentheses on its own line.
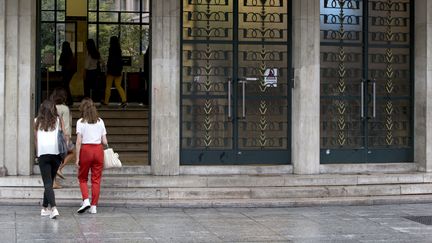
(366,81)
(235,90)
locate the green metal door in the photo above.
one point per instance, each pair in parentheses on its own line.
(366,81)
(235,90)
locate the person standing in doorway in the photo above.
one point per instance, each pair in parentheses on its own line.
(91,136)
(92,71)
(59,98)
(69,68)
(114,71)
(46,128)
(146,87)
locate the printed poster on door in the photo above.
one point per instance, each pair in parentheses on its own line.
(271,77)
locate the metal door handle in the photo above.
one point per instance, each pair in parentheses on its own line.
(248,79)
(374,98)
(243,82)
(362,99)
(229,98)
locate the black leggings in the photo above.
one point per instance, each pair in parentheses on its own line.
(49,165)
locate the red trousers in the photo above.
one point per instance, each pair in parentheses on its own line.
(91,158)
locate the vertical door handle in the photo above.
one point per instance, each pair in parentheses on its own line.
(229,99)
(362,98)
(243,83)
(374,98)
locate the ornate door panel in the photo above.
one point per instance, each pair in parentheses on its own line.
(366,88)
(232,112)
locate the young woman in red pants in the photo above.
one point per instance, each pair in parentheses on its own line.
(91,136)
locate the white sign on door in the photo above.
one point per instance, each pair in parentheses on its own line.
(270,77)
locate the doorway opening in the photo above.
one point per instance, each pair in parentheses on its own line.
(75,21)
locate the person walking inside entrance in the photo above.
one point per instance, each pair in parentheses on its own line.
(92,71)
(58,96)
(91,136)
(46,127)
(69,68)
(114,71)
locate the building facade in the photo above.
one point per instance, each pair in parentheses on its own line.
(244,86)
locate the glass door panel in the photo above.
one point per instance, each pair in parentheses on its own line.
(235,82)
(262,106)
(382,79)
(342,110)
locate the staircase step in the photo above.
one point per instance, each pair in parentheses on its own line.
(117,190)
(129,186)
(70,171)
(134,160)
(128,130)
(114,113)
(121,122)
(139,177)
(130,138)
(128,147)
(233,203)
(126,122)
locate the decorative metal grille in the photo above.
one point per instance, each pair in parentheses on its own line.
(224,42)
(366,74)
(207,65)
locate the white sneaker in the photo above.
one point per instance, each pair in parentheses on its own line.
(84,206)
(54,213)
(45,212)
(92,209)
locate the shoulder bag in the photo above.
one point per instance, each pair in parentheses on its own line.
(111,159)
(61,141)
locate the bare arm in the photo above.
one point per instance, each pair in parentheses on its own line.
(104,140)
(35,137)
(78,148)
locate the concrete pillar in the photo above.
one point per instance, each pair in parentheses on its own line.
(2,85)
(165,105)
(11,88)
(423,85)
(26,84)
(19,83)
(306,92)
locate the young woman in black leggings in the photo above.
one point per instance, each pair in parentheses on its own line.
(46,127)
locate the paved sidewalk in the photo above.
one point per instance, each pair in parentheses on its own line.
(385,223)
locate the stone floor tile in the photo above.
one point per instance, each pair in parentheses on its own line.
(307,224)
(7,235)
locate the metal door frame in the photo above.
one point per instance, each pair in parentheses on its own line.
(248,157)
(366,154)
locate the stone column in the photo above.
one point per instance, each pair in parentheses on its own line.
(2,85)
(26,84)
(306,92)
(423,85)
(19,83)
(165,90)
(11,88)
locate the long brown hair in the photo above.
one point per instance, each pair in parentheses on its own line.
(59,96)
(47,116)
(88,110)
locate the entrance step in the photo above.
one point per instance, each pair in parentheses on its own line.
(127,131)
(126,170)
(271,190)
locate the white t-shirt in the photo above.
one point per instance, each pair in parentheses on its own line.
(47,141)
(91,133)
